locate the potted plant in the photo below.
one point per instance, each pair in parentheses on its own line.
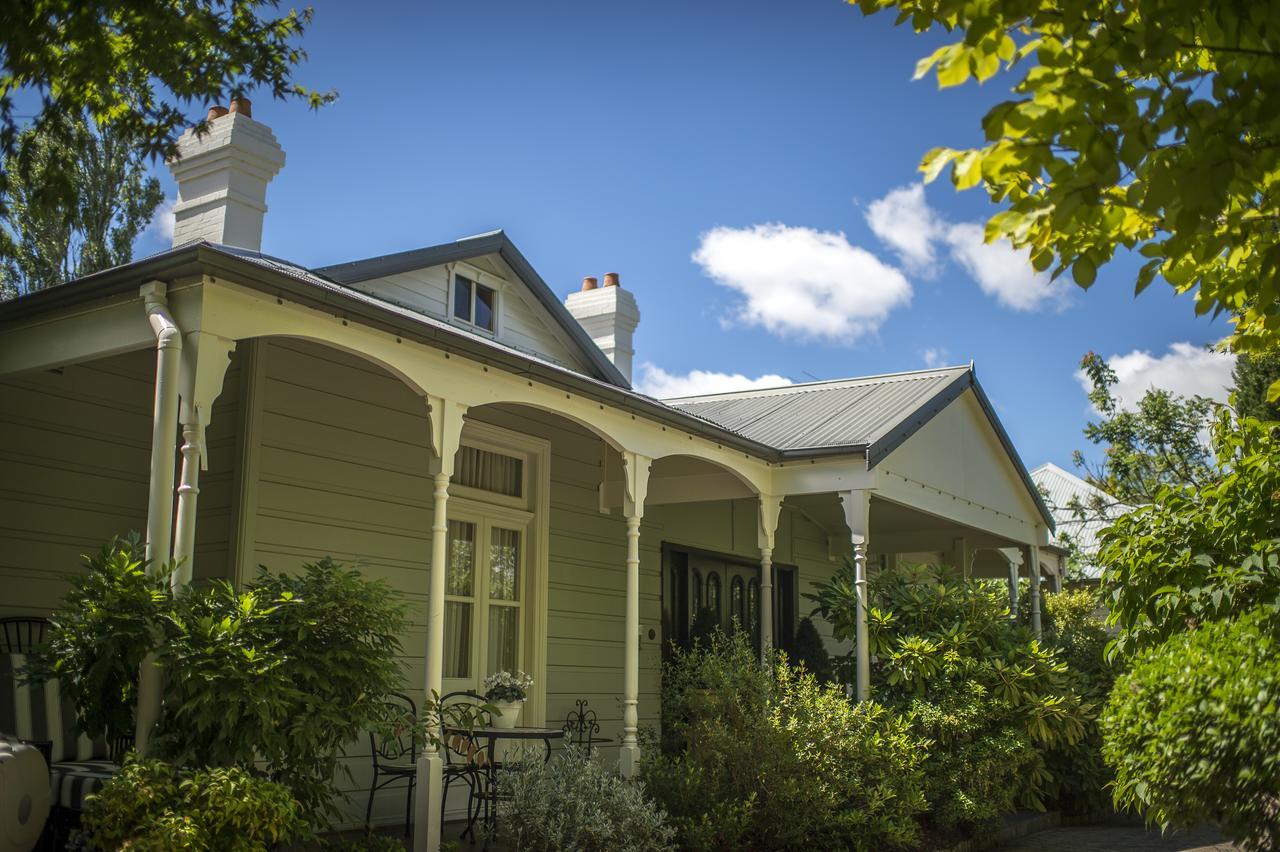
(507,692)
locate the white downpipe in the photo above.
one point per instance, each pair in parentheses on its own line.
(160,494)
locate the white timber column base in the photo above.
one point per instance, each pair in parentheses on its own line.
(857,515)
(445,437)
(770,511)
(637,489)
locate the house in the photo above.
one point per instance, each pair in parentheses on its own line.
(1080,512)
(395,410)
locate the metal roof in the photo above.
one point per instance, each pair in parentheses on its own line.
(494,242)
(1063,491)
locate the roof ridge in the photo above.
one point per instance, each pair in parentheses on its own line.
(847,381)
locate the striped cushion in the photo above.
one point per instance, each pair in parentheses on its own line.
(36,712)
(71,781)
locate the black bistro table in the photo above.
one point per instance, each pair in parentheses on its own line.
(492,737)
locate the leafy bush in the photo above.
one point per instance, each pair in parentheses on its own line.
(1192,730)
(1198,553)
(150,805)
(991,699)
(108,622)
(761,760)
(284,673)
(1079,774)
(572,803)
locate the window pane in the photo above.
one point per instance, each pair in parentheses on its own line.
(753,606)
(460,579)
(457,639)
(697,593)
(462,298)
(490,471)
(504,633)
(484,307)
(504,565)
(736,603)
(713,594)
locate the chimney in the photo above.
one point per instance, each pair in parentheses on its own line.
(609,315)
(222,178)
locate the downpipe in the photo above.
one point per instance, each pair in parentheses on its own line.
(160,496)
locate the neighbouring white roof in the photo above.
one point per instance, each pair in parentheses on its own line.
(1062,490)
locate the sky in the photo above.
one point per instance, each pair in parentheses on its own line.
(750,169)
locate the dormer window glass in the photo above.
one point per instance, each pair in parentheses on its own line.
(474,303)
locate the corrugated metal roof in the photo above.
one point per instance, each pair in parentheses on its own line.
(845,413)
(1063,490)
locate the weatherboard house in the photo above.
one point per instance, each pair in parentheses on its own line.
(398,410)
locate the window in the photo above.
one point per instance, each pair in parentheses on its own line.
(753,608)
(489,471)
(474,303)
(483,597)
(737,602)
(713,594)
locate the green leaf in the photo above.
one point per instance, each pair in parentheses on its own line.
(1084,272)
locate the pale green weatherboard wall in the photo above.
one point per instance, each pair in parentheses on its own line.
(341,468)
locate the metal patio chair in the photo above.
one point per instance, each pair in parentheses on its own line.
(389,750)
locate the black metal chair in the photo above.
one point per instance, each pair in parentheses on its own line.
(21,635)
(389,748)
(581,727)
(465,760)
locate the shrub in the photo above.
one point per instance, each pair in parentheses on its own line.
(1192,730)
(573,803)
(150,805)
(284,673)
(755,760)
(108,622)
(991,699)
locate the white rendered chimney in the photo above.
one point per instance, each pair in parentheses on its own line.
(609,315)
(222,179)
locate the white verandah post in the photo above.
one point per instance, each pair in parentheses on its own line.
(857,506)
(770,511)
(637,489)
(446,435)
(1033,565)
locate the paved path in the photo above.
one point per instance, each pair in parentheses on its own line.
(1107,838)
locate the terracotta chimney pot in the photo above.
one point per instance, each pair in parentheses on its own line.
(243,106)
(216,112)
(611,279)
(590,283)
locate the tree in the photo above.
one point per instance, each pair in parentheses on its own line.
(1253,375)
(1148,125)
(1157,444)
(51,243)
(140,68)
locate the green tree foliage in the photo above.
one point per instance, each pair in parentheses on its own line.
(1157,444)
(44,242)
(1192,730)
(150,806)
(809,652)
(991,699)
(1149,125)
(1198,553)
(1254,374)
(761,759)
(145,70)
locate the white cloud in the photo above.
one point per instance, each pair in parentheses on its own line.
(657,382)
(920,235)
(934,357)
(161,225)
(1002,271)
(908,225)
(1185,369)
(802,282)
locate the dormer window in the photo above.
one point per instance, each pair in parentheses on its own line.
(474,303)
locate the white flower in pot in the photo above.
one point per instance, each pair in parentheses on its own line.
(507,692)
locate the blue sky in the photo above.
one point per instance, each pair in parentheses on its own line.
(756,137)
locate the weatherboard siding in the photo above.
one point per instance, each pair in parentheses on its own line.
(75,460)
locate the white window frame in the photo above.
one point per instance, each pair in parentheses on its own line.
(533,509)
(484,279)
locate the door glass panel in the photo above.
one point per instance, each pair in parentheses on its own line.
(457,639)
(504,633)
(737,603)
(753,607)
(713,593)
(460,579)
(504,565)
